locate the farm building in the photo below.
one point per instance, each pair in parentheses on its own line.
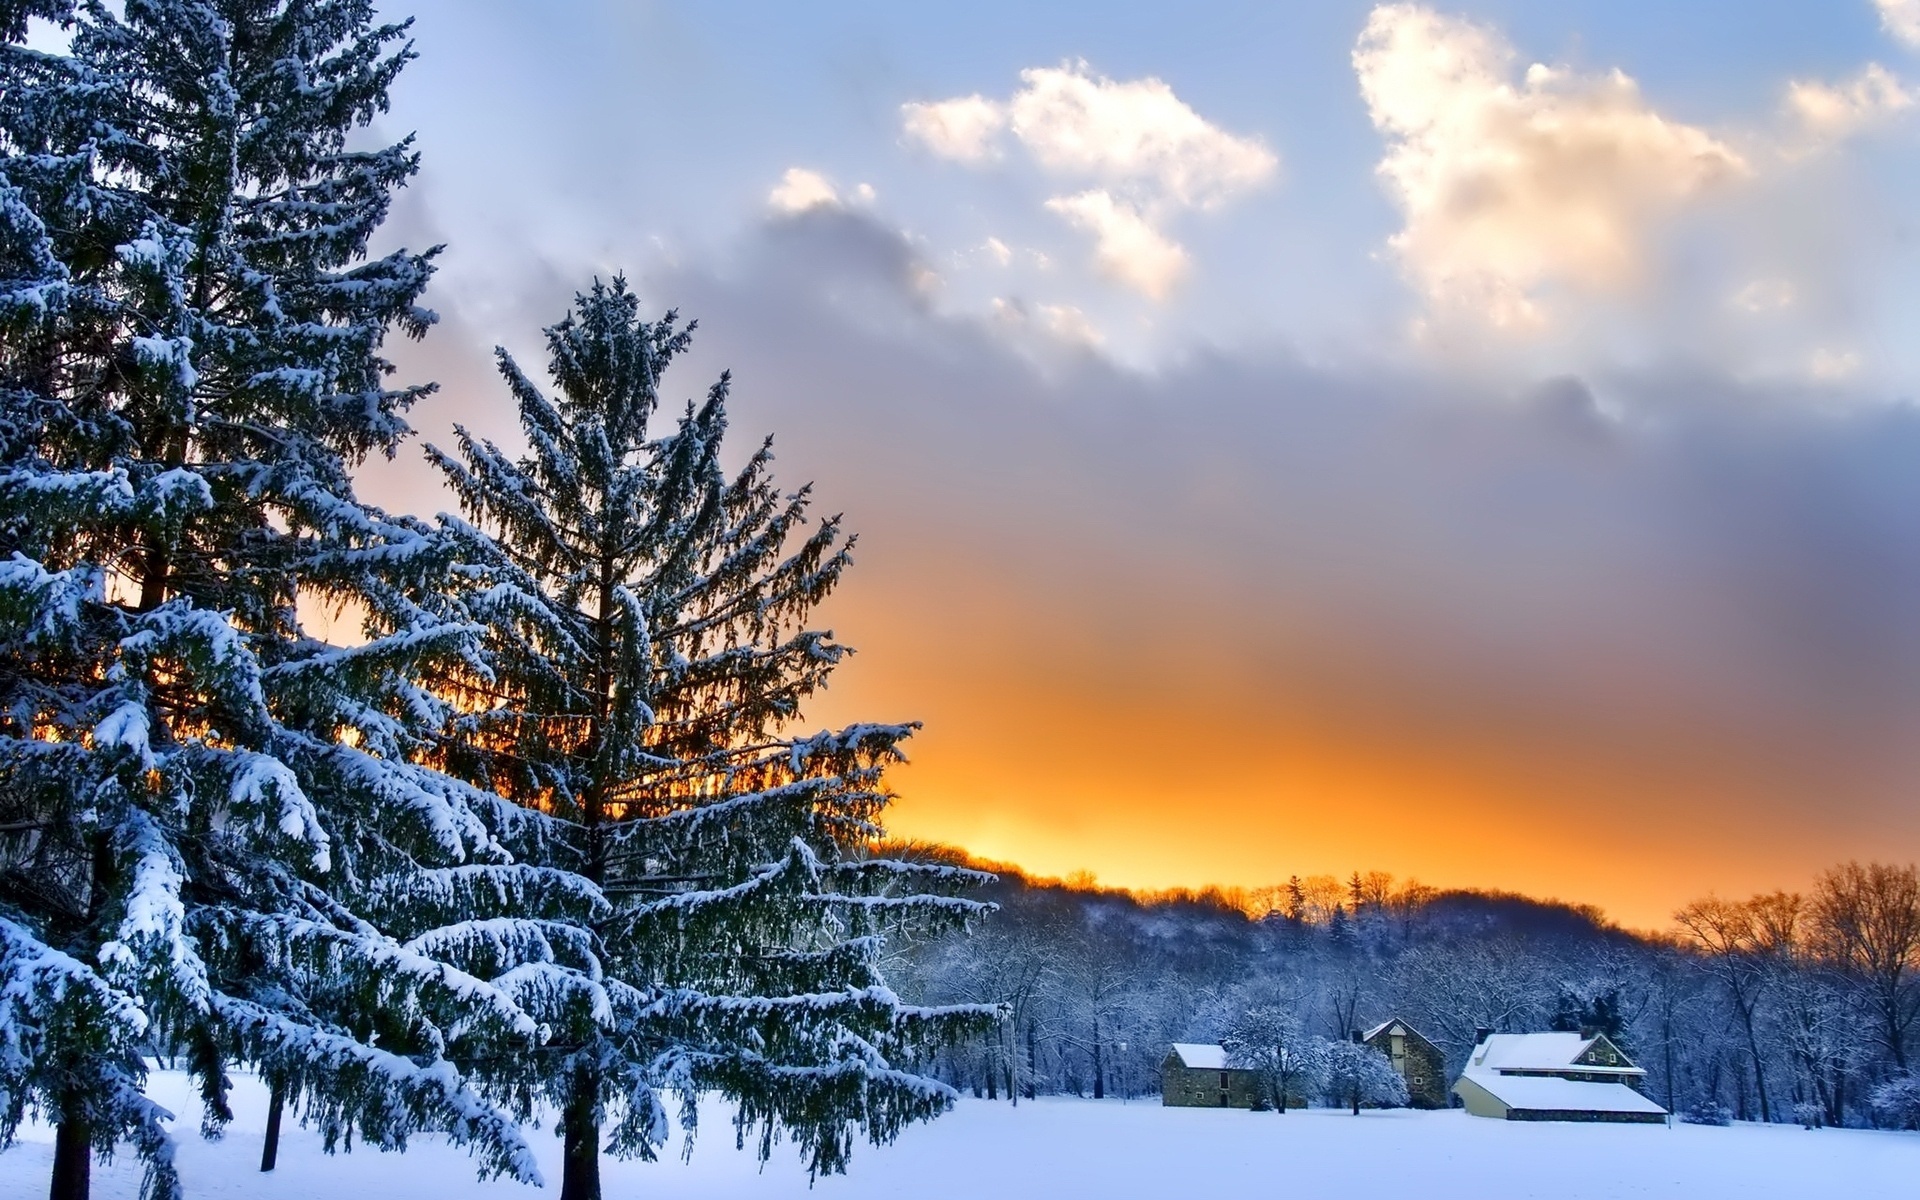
(1553,1077)
(1197,1076)
(1417,1060)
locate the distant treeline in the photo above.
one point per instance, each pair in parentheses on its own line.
(1782,1007)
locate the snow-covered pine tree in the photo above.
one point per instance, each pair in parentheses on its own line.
(649,659)
(211,820)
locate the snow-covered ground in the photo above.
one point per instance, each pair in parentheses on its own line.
(1073,1148)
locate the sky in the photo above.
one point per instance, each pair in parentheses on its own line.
(1475,442)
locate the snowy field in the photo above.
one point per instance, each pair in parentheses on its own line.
(1072,1148)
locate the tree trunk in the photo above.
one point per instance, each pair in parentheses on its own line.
(1099,1065)
(1667,1026)
(1356,1101)
(1033,1062)
(1760,1083)
(270,1148)
(157,570)
(72,1160)
(1746,1007)
(580,1176)
(1010,1059)
(580,1170)
(1896,1028)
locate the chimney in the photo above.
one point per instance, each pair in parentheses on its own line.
(1481,1034)
(1357,1037)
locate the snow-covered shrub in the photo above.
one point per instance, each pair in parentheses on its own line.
(1271,1040)
(1708,1112)
(1355,1074)
(1896,1102)
(1810,1115)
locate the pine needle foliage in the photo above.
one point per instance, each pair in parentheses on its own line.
(214,823)
(649,657)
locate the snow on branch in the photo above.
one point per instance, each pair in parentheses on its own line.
(479,891)
(41,607)
(265,785)
(151,953)
(388,971)
(43,989)
(352,1086)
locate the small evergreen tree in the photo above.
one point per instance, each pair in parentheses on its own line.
(649,658)
(1341,933)
(211,821)
(1296,900)
(1589,1006)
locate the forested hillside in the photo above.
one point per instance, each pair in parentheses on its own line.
(1779,1015)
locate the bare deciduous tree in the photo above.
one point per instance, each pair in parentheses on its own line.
(1867,920)
(1272,1041)
(1733,936)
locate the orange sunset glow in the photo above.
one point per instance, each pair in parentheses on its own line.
(1567,547)
(1231,784)
(1482,645)
(1061,599)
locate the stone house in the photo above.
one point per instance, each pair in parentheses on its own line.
(1414,1058)
(1554,1077)
(1197,1076)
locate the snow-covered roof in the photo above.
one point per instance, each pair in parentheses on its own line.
(1201,1058)
(1370,1034)
(1546,1092)
(1541,1052)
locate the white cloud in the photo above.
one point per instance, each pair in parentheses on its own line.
(963,128)
(1069,324)
(1061,322)
(1764,295)
(1901,18)
(1510,188)
(1830,112)
(998,253)
(1147,150)
(800,190)
(1126,245)
(1832,366)
(1078,123)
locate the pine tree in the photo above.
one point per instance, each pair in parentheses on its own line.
(649,657)
(1341,933)
(212,822)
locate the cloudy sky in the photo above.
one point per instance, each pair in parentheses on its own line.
(1475,442)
